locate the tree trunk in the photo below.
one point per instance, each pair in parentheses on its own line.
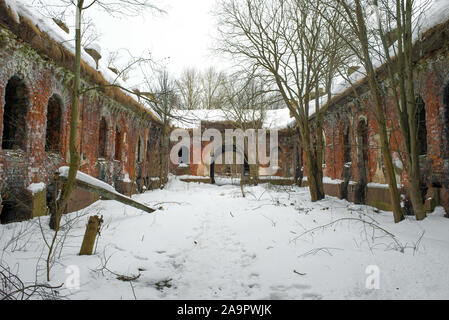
(242,181)
(113,196)
(92,230)
(403,92)
(380,116)
(70,184)
(314,170)
(414,170)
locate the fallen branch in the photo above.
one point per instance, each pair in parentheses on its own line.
(301,274)
(111,195)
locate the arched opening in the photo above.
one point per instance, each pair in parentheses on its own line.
(118,144)
(139,150)
(102,138)
(362,131)
(237,166)
(14,209)
(14,114)
(347,161)
(362,163)
(346,145)
(53,132)
(149,155)
(183,155)
(323,156)
(422,127)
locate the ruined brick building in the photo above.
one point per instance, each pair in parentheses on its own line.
(353,164)
(353,158)
(289,164)
(119,138)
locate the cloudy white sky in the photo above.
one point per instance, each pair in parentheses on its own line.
(184,35)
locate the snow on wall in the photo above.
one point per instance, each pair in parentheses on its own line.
(81,176)
(36,187)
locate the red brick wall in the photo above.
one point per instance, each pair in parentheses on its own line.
(431,80)
(43,79)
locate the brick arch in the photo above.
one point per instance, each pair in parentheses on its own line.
(53,132)
(221,150)
(347,144)
(140,151)
(17,104)
(58,88)
(362,132)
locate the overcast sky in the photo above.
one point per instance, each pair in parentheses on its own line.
(184,34)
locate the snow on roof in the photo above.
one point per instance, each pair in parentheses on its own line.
(27,9)
(435,12)
(189,119)
(275,119)
(278,119)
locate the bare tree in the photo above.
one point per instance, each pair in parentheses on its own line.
(213,88)
(245,104)
(282,39)
(190,89)
(12,287)
(165,99)
(399,19)
(120,7)
(355,18)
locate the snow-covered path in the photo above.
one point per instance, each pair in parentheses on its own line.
(208,242)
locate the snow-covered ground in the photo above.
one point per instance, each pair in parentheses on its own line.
(208,242)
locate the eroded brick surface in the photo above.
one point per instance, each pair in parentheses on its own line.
(45,83)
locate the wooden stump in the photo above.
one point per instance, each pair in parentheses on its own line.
(92,229)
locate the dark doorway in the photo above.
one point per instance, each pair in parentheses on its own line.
(445,135)
(362,163)
(15,209)
(347,145)
(347,159)
(212,173)
(53,132)
(139,150)
(14,114)
(183,155)
(102,138)
(118,144)
(422,127)
(245,166)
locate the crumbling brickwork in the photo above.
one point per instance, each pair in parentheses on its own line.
(35,108)
(346,113)
(289,165)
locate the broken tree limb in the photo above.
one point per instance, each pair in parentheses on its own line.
(110,195)
(92,230)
